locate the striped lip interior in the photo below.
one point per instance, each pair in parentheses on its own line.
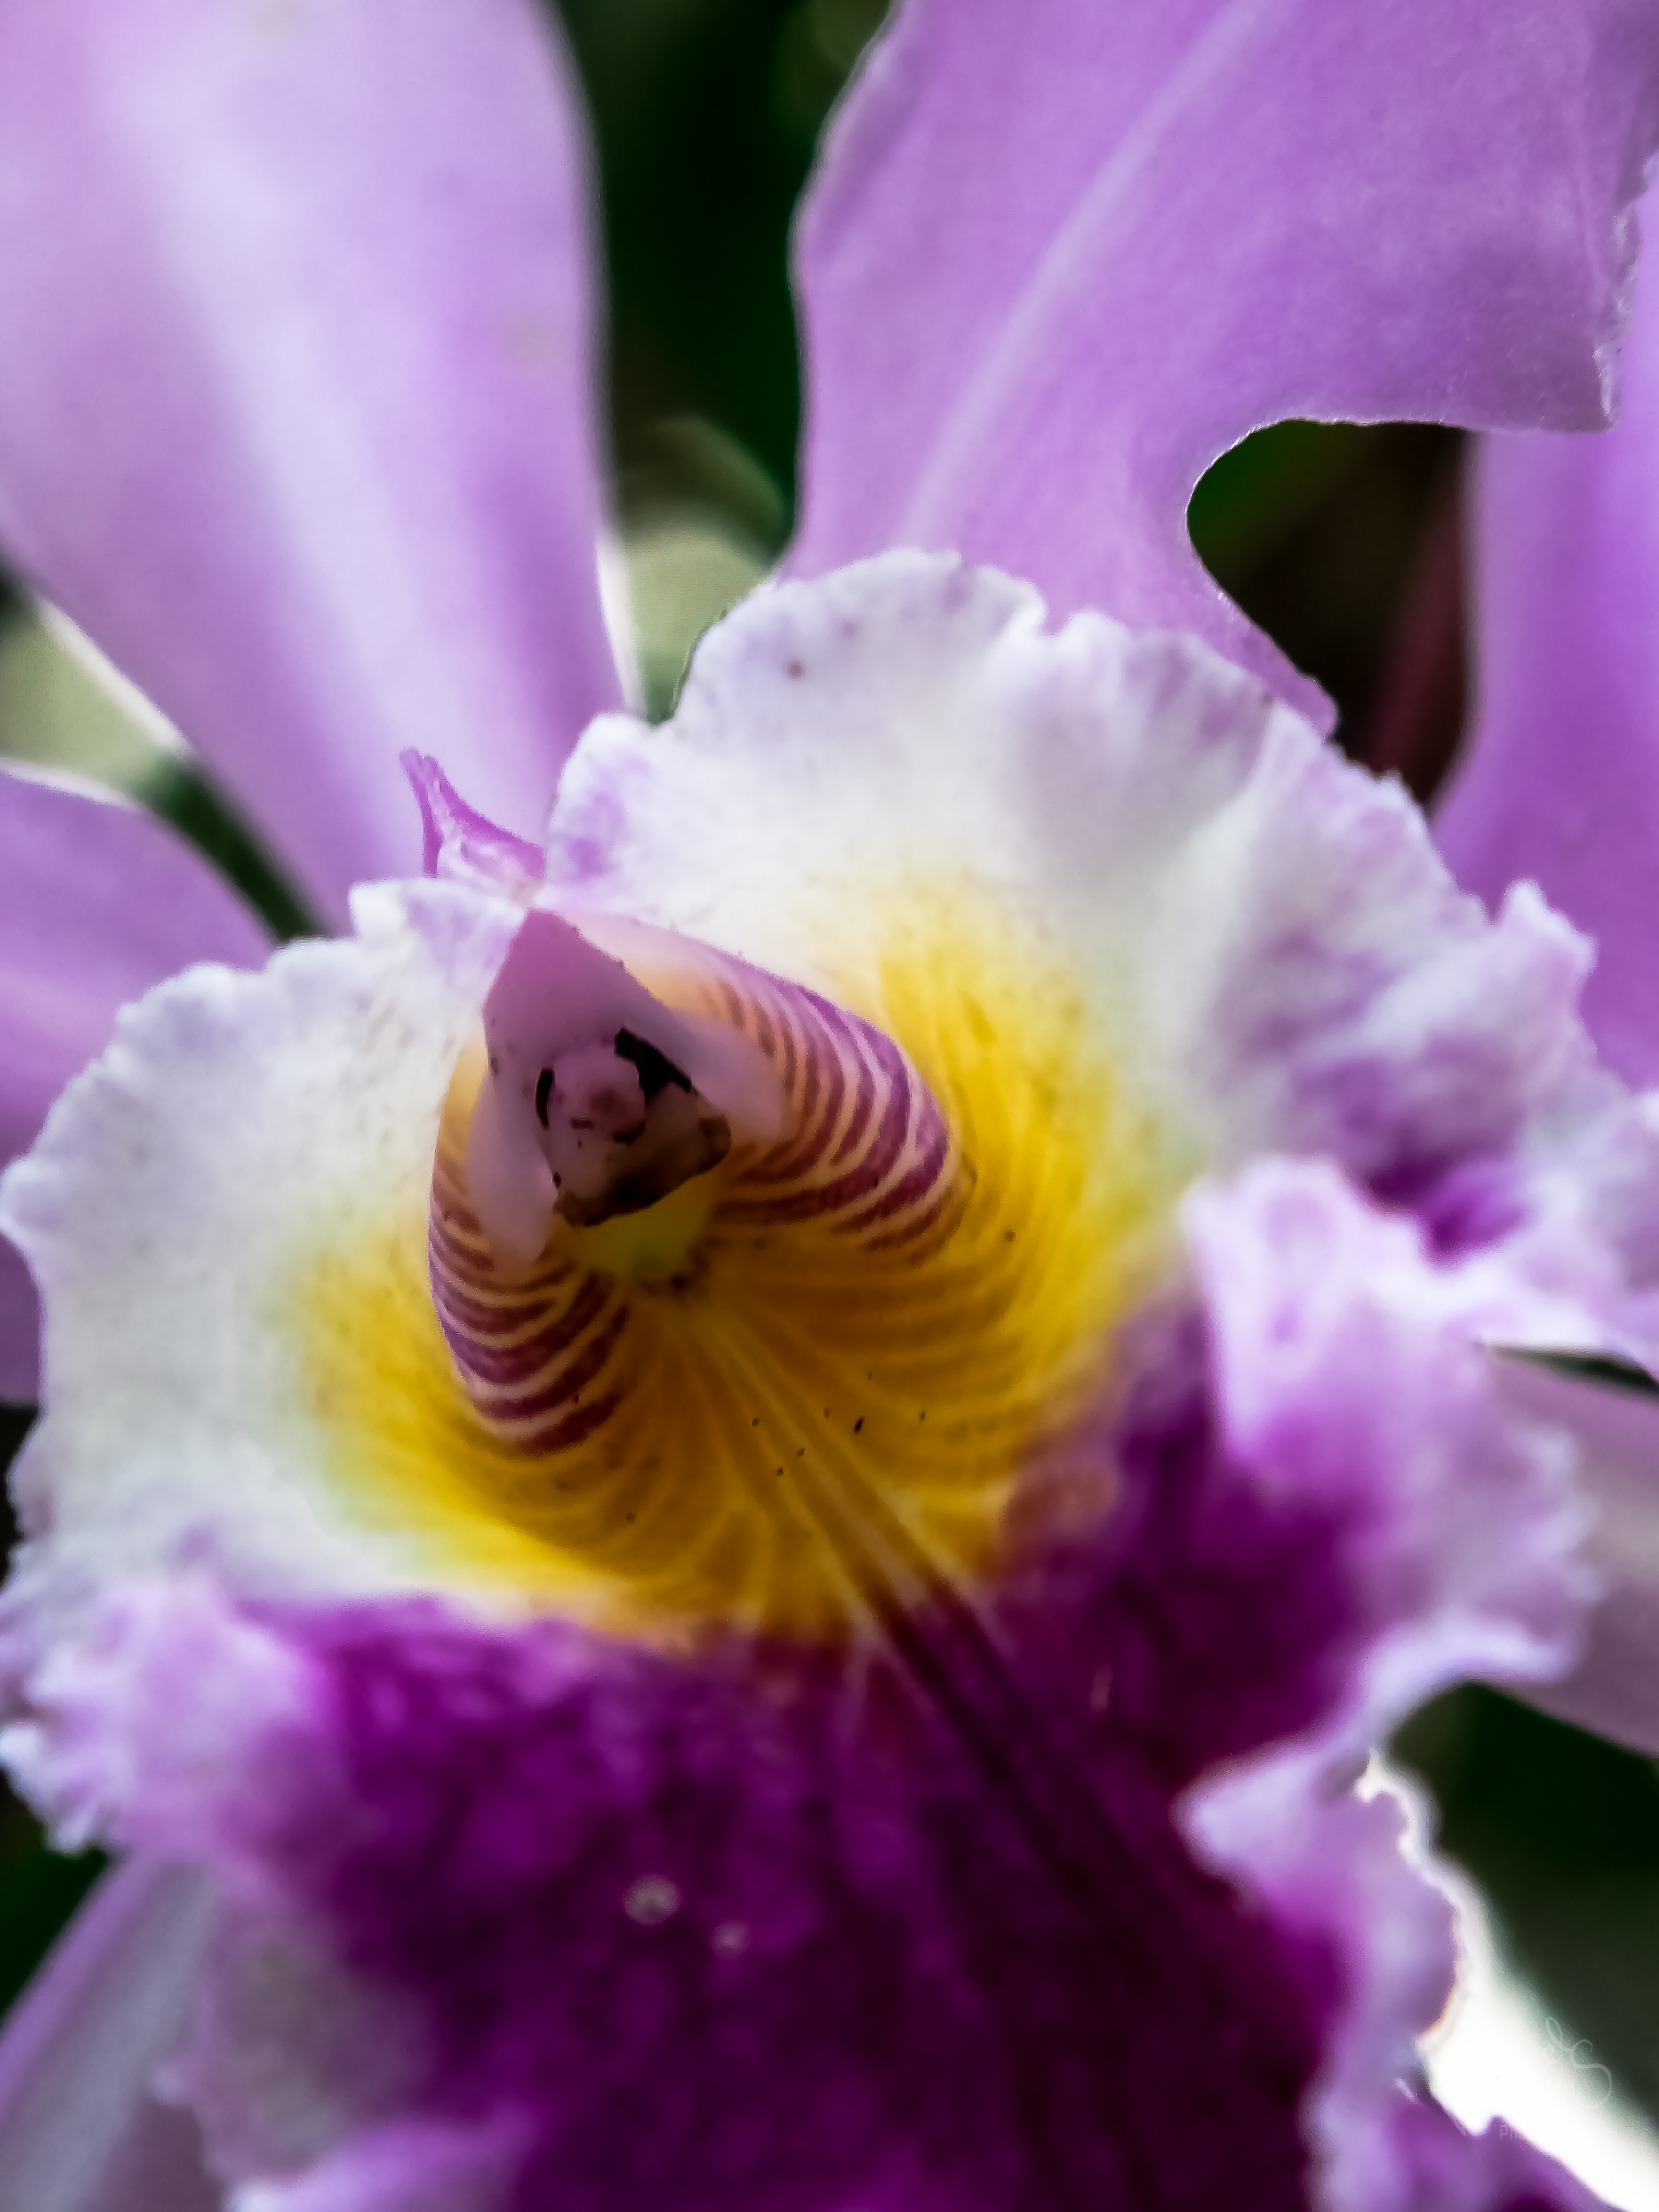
(803,1383)
(831,1378)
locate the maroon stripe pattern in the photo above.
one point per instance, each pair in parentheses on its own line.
(734,1430)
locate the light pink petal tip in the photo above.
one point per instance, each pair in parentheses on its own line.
(1059,256)
(80,2131)
(1562,780)
(98,902)
(296,392)
(464,846)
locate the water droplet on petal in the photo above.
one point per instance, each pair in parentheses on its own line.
(653,1899)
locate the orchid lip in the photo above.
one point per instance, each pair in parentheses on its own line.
(758,1316)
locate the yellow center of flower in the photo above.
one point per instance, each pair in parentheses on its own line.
(826,1374)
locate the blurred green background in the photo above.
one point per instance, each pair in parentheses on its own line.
(1344,543)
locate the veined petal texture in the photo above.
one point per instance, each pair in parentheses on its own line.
(1056,259)
(838,1679)
(297,392)
(1561,783)
(98,902)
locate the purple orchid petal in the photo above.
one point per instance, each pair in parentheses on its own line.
(1440,2168)
(1562,780)
(1263,922)
(98,902)
(918,1927)
(1058,258)
(1314,1302)
(296,392)
(79,2129)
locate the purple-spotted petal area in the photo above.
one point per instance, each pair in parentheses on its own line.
(296,398)
(1561,783)
(1354,1383)
(1056,258)
(98,902)
(1060,1896)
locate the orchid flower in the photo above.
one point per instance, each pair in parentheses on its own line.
(727,1508)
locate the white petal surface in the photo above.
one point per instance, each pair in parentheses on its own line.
(237,1127)
(1263,933)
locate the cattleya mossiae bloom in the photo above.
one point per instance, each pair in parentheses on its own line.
(754,1484)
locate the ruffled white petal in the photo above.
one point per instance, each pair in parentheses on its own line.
(1351,1375)
(182,1213)
(1141,884)
(1264,935)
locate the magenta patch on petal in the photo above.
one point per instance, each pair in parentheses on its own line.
(918,1929)
(733,1942)
(924,1937)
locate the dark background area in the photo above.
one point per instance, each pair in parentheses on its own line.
(1344,543)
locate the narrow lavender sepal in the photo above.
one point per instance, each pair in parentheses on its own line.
(296,400)
(1057,258)
(79,2129)
(1561,782)
(98,902)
